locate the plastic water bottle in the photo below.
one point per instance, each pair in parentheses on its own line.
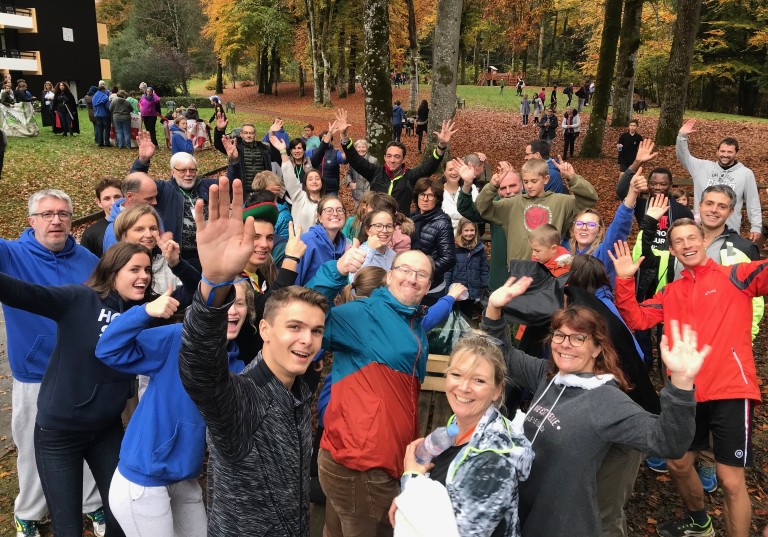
(435,443)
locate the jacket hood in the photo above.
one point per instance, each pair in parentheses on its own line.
(176,128)
(318,233)
(28,238)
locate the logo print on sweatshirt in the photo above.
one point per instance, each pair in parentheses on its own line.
(536,215)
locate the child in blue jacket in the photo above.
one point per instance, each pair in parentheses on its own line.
(471,268)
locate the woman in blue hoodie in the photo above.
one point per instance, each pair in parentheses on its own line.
(181,139)
(81,399)
(324,240)
(154,490)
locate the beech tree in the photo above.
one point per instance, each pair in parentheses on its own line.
(377,88)
(629,43)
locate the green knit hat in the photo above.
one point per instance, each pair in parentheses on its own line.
(264,210)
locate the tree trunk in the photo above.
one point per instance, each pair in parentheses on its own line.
(552,52)
(445,57)
(629,43)
(317,74)
(219,77)
(463,65)
(540,52)
(413,43)
(678,72)
(525,62)
(352,79)
(302,91)
(377,89)
(341,70)
(593,142)
(275,74)
(325,52)
(476,58)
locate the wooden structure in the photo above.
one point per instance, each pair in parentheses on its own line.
(434,409)
(495,77)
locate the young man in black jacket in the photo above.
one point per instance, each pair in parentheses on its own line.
(394,178)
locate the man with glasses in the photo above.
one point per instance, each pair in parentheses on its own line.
(247,156)
(380,355)
(394,178)
(44,254)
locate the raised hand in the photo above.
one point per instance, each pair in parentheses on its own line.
(657,206)
(146,146)
(277,143)
(481,156)
(163,306)
(566,169)
(683,359)
(466,172)
(446,132)
(341,121)
(230,146)
(622,261)
(295,246)
(512,288)
(221,122)
(224,241)
(352,259)
(645,151)
(276,125)
(169,248)
(688,127)
(639,183)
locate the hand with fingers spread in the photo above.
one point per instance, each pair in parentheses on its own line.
(276,142)
(566,169)
(512,288)
(622,261)
(481,156)
(342,124)
(466,172)
(230,146)
(221,122)
(645,151)
(688,127)
(352,259)
(276,125)
(657,206)
(295,247)
(224,241)
(333,129)
(164,306)
(146,147)
(446,132)
(683,359)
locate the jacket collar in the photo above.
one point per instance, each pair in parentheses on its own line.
(383,294)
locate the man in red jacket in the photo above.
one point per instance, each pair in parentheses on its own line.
(716,301)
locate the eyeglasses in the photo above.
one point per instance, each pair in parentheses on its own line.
(64,216)
(577,340)
(186,170)
(330,210)
(381,227)
(578,224)
(406,271)
(426,196)
(247,133)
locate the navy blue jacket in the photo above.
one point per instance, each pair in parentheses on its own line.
(471,269)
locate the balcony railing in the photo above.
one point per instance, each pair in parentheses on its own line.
(18,18)
(27,62)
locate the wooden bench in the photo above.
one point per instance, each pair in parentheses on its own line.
(434,409)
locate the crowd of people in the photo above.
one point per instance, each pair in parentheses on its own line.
(116,398)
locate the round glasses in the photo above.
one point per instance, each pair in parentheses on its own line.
(576,340)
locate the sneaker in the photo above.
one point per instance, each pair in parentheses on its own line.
(708,477)
(99,525)
(657,464)
(26,528)
(686,528)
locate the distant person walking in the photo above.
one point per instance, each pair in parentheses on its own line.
(398,118)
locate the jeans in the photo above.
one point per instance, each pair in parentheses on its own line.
(357,503)
(60,456)
(123,132)
(149,125)
(174,510)
(102,130)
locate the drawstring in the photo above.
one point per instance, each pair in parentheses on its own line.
(549,412)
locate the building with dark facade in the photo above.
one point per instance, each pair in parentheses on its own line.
(56,40)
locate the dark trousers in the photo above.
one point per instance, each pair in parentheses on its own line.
(149,125)
(397,130)
(525,119)
(102,130)
(60,456)
(66,123)
(570,141)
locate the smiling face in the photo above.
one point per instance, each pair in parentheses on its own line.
(263,241)
(393,158)
(185,174)
(686,243)
(510,185)
(386,227)
(534,183)
(426,200)
(452,172)
(145,232)
(107,197)
(585,229)
(297,153)
(248,133)
(726,155)
(410,290)
(468,233)
(332,215)
(715,209)
(570,358)
(237,313)
(470,387)
(292,340)
(362,149)
(132,281)
(314,183)
(53,235)
(659,183)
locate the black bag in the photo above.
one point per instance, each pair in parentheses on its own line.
(541,300)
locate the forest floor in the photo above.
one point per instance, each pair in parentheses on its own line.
(490,129)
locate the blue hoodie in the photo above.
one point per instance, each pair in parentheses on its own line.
(319,250)
(165,439)
(109,233)
(32,337)
(179,141)
(101,104)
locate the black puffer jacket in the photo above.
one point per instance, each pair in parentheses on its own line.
(237,170)
(433,235)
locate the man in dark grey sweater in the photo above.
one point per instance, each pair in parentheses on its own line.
(259,430)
